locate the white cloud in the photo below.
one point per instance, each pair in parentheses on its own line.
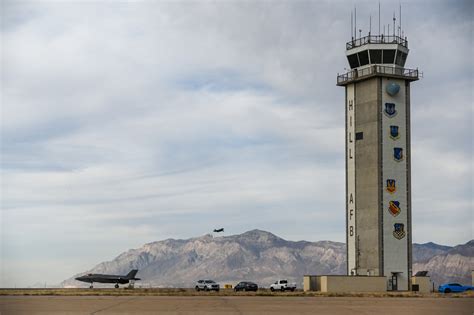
(125,123)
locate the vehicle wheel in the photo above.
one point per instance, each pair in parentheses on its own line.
(116,286)
(447,290)
(272,289)
(282,289)
(197,288)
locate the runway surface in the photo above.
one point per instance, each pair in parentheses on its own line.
(231,305)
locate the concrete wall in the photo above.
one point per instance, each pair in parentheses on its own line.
(351,210)
(424,284)
(381,244)
(378,180)
(357,284)
(396,246)
(344,284)
(353,284)
(312,283)
(367,157)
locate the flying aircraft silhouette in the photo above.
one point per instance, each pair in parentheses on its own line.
(219,230)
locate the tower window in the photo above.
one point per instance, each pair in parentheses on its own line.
(364,58)
(403,59)
(388,56)
(375,56)
(359,135)
(353,62)
(398,61)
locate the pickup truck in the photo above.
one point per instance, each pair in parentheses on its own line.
(282,285)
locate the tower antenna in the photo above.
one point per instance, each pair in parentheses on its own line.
(355,22)
(379,18)
(370,24)
(400,18)
(394,23)
(352,25)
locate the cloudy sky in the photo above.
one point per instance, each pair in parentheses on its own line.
(129,122)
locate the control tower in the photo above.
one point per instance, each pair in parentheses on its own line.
(378,183)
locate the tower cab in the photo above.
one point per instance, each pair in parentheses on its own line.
(377,55)
(377,49)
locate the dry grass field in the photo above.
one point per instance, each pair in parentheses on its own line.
(222,292)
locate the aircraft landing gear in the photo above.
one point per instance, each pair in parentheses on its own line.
(116,286)
(91,287)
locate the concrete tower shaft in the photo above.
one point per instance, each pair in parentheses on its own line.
(378,170)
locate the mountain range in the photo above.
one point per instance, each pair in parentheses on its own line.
(263,257)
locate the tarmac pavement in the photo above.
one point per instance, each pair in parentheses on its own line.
(232,305)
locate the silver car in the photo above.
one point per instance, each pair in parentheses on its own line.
(206,285)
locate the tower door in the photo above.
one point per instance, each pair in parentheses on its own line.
(394,282)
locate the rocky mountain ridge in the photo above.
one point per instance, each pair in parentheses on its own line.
(451,265)
(262,257)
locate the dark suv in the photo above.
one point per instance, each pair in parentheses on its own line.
(246,286)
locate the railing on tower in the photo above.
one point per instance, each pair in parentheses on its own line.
(378,69)
(376,39)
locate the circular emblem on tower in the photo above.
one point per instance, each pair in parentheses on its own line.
(392,89)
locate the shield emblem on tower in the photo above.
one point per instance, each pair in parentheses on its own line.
(394,208)
(399,230)
(398,154)
(390,110)
(391,188)
(394,132)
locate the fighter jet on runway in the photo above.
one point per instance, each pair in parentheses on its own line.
(93,277)
(219,230)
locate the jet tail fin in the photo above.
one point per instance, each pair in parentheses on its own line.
(131,274)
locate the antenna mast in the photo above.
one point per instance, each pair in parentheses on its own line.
(379,18)
(370,24)
(394,23)
(355,22)
(352,25)
(400,19)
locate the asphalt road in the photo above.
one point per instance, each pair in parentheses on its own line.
(231,305)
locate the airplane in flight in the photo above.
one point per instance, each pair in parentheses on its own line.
(100,278)
(219,230)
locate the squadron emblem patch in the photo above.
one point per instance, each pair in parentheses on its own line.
(394,208)
(391,188)
(394,132)
(398,154)
(390,110)
(399,230)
